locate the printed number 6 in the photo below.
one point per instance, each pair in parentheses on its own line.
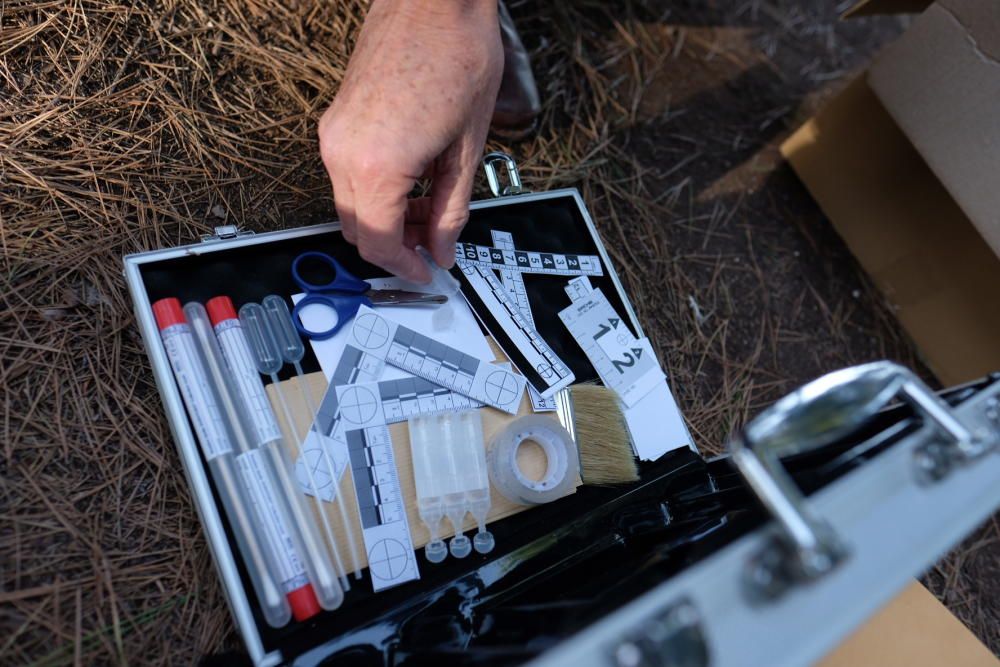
(620,366)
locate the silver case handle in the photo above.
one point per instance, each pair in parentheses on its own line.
(823,411)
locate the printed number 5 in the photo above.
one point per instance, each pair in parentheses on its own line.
(620,365)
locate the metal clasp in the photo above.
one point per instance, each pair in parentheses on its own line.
(224,233)
(821,412)
(673,637)
(490,163)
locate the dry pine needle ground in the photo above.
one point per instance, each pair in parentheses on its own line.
(131,126)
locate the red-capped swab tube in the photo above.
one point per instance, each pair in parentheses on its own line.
(267,434)
(257,471)
(214,436)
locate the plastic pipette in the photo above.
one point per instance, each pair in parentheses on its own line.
(279,321)
(266,434)
(214,436)
(268,359)
(306,588)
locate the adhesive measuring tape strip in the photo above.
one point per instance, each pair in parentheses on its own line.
(549,373)
(562,467)
(556,264)
(514,286)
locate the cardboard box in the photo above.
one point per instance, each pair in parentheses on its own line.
(898,216)
(914,630)
(940,82)
(904,162)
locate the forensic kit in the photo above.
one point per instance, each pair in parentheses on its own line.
(492,468)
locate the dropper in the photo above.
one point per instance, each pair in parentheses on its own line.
(267,358)
(292,350)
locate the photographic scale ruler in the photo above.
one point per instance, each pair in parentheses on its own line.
(508,303)
(513,284)
(433,360)
(367,450)
(357,408)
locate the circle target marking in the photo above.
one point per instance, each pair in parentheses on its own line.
(358,405)
(370,331)
(387,559)
(501,387)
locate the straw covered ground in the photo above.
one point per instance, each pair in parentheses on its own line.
(131,126)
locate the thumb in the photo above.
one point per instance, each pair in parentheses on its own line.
(454,173)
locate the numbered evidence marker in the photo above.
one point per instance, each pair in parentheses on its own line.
(432,360)
(625,364)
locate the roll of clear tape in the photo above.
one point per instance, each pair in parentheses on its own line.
(562,462)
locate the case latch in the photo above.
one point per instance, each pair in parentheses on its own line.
(821,412)
(225,233)
(673,637)
(490,164)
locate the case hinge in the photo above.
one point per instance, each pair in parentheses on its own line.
(671,638)
(225,233)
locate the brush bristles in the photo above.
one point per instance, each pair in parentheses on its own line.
(602,437)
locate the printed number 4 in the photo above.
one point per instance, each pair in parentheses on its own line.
(630,360)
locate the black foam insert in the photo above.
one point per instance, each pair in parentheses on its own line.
(249,273)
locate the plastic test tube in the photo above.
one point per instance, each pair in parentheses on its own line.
(215,439)
(258,474)
(289,343)
(266,435)
(267,355)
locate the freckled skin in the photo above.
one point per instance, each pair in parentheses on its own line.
(415,102)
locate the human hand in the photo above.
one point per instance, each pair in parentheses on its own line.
(415,102)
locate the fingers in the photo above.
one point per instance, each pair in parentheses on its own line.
(415,222)
(380,216)
(343,193)
(452,187)
(343,198)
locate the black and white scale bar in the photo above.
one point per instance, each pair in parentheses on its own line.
(546,372)
(385,529)
(513,283)
(524,261)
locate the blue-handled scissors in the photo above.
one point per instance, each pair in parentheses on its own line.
(344,294)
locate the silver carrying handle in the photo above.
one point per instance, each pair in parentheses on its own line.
(490,163)
(815,415)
